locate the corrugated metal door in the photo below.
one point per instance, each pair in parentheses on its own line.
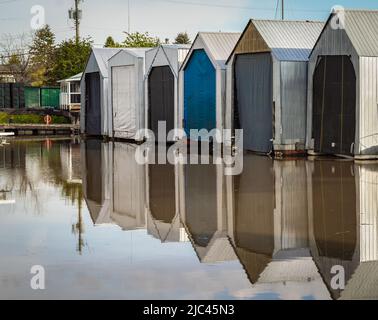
(334,105)
(162,192)
(254,100)
(93,104)
(199,93)
(161,106)
(124,99)
(201,202)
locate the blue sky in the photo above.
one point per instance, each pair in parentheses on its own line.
(163,18)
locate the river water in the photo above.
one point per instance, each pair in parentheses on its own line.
(104,227)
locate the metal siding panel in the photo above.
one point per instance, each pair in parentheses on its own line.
(369,106)
(294,100)
(361,27)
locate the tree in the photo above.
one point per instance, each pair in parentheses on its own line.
(42,57)
(110,43)
(71,58)
(140,40)
(16,56)
(182,38)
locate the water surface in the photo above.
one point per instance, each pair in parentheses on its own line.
(104,227)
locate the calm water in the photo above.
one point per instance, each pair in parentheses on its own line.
(104,227)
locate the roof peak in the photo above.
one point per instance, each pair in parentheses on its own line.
(219,32)
(288,21)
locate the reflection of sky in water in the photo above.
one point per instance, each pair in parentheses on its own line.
(42,228)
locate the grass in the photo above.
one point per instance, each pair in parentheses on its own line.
(6,118)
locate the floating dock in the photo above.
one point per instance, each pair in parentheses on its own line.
(40,129)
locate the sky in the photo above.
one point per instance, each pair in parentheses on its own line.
(162,18)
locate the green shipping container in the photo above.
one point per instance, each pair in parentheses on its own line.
(32,97)
(50,97)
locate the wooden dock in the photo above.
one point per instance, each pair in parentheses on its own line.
(40,129)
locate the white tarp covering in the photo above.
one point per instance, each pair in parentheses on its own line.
(123,90)
(126,80)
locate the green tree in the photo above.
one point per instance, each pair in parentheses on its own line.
(110,43)
(140,40)
(71,58)
(182,38)
(42,57)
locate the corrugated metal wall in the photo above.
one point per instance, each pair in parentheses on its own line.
(368,105)
(293,102)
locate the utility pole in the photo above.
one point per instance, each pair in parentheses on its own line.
(77,21)
(76,14)
(283,9)
(129,15)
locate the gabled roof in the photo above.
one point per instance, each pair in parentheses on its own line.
(136,52)
(218,46)
(102,55)
(288,40)
(76,77)
(165,49)
(361,26)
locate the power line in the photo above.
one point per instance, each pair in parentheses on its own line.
(252,8)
